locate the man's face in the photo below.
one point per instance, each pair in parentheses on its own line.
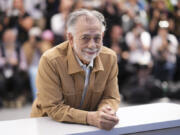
(87,38)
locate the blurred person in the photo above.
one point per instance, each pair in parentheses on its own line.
(36,9)
(2,23)
(176,14)
(110,11)
(177,71)
(117,40)
(13,66)
(133,10)
(51,9)
(58,20)
(173,87)
(139,40)
(33,49)
(19,19)
(5,5)
(159,11)
(69,80)
(164,50)
(118,44)
(140,85)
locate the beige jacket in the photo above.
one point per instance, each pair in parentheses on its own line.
(60,83)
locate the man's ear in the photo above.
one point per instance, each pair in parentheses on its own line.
(70,38)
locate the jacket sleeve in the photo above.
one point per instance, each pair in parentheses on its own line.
(50,97)
(111,94)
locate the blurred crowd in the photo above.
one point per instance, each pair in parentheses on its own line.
(145,34)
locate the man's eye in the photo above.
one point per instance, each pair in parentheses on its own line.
(86,38)
(97,39)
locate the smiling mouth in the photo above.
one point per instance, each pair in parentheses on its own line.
(91,53)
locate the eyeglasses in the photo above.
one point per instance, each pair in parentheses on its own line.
(87,38)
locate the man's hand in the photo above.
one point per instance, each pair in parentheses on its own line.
(107,109)
(104,118)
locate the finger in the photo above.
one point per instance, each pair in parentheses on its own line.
(110,117)
(107,125)
(108,107)
(109,111)
(107,122)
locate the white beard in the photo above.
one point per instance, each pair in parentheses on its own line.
(84,55)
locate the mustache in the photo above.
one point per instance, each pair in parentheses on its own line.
(91,50)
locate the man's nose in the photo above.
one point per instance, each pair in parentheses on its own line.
(92,44)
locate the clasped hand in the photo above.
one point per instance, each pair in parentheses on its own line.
(105,118)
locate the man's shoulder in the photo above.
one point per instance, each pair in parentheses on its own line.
(107,56)
(107,51)
(57,51)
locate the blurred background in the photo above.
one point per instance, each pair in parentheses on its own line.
(145,34)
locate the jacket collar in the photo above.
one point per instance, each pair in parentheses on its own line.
(73,65)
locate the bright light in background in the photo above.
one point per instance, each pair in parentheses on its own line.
(163,24)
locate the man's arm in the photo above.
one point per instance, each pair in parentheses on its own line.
(111,96)
(105,117)
(50,97)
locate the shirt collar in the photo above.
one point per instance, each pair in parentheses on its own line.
(83,65)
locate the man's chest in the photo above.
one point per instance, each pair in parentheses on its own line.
(73,86)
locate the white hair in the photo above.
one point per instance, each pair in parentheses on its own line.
(73,17)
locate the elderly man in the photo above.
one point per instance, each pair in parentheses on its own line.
(77,80)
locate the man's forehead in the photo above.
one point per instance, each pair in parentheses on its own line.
(91,33)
